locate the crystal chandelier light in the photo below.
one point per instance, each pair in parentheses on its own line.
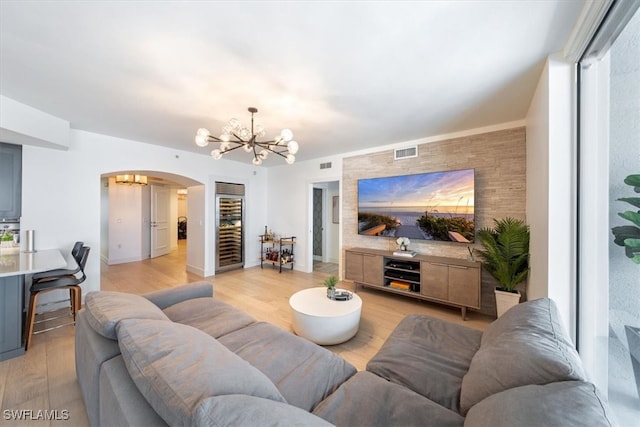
(235,136)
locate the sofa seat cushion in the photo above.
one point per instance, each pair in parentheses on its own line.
(368,400)
(243,410)
(176,366)
(105,309)
(566,403)
(211,316)
(304,372)
(429,356)
(526,345)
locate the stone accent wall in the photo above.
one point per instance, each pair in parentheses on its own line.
(500,188)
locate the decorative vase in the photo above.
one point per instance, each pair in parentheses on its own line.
(403,247)
(331,293)
(505,300)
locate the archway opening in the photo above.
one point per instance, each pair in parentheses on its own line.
(148,217)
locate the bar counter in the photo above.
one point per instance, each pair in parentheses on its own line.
(14,265)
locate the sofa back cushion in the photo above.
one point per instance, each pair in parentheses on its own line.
(212,316)
(567,404)
(176,366)
(429,356)
(105,309)
(527,345)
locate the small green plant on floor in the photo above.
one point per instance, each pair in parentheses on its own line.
(628,236)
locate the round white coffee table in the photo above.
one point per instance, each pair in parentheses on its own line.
(322,320)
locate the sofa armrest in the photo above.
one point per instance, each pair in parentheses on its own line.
(167,297)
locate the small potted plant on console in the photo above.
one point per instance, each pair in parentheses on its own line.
(506,257)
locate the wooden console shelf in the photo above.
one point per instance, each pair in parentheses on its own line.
(450,281)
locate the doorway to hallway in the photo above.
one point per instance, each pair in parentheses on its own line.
(325,227)
(142,221)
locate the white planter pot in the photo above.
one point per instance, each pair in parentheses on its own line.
(506,300)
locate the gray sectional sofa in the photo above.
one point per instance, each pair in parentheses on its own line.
(181,357)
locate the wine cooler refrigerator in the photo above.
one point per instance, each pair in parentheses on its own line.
(229,226)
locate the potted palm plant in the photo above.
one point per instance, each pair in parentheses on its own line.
(506,257)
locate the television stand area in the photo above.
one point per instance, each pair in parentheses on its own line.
(451,281)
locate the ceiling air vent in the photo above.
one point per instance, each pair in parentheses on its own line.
(326,165)
(405,153)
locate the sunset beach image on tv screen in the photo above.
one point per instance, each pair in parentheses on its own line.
(427,206)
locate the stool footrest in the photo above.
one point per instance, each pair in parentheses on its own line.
(48,319)
(53,327)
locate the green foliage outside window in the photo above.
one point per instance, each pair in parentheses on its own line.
(628,236)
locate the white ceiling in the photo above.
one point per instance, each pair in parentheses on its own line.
(343,76)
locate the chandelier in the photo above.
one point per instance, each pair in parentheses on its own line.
(235,136)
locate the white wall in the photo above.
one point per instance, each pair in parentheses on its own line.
(22,124)
(104,219)
(62,192)
(550,188)
(173,219)
(182,205)
(594,221)
(145,222)
(196,235)
(129,220)
(124,223)
(538,187)
(333,230)
(289,204)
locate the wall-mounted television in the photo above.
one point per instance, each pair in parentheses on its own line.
(426,206)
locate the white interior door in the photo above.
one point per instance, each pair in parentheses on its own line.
(160,214)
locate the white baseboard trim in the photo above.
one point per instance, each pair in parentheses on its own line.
(195,270)
(123,260)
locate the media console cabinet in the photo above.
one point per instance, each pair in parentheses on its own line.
(450,281)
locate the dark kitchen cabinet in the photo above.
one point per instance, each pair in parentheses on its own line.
(10,181)
(11,303)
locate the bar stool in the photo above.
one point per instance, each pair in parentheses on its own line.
(52,283)
(50,274)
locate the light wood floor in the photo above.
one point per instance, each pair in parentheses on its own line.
(44,378)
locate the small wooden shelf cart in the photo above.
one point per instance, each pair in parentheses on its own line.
(277,251)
